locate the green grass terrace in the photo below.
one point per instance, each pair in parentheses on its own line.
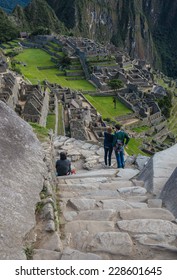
(32,59)
(105,106)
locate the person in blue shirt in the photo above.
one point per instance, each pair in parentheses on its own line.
(108,146)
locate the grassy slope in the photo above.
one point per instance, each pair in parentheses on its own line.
(34,58)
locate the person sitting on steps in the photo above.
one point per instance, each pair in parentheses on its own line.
(63,165)
(120,140)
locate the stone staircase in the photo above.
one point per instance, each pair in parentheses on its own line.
(107,213)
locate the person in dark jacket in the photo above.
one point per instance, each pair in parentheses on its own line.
(120,140)
(108,146)
(63,165)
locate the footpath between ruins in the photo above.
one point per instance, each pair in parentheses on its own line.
(104,213)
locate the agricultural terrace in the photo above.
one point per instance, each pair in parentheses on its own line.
(32,59)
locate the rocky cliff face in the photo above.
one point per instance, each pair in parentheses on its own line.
(22,172)
(145,28)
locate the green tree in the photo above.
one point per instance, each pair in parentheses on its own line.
(115,84)
(41,31)
(165,104)
(7,30)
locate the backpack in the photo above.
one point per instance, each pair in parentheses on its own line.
(118,147)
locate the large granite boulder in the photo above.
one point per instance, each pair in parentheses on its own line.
(21,179)
(158,170)
(169,193)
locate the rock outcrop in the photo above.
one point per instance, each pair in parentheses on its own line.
(22,173)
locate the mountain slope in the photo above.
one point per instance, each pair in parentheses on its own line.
(37,14)
(144,28)
(9,5)
(7,29)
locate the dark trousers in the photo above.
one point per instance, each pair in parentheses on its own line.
(107,155)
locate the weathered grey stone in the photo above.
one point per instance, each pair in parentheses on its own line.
(21,179)
(51,242)
(154,203)
(104,193)
(96,215)
(71,254)
(92,180)
(115,185)
(81,203)
(158,169)
(94,148)
(81,239)
(137,183)
(127,173)
(169,193)
(141,161)
(77,187)
(87,154)
(69,194)
(132,190)
(91,226)
(48,212)
(89,165)
(116,243)
(116,204)
(155,213)
(100,152)
(136,198)
(148,226)
(40,254)
(152,239)
(83,179)
(93,158)
(93,175)
(139,205)
(87,146)
(50,226)
(70,215)
(130,160)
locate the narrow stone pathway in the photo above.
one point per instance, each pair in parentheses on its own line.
(107,213)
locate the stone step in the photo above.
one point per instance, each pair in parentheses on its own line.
(114,243)
(149,213)
(132,190)
(136,198)
(150,226)
(71,254)
(91,174)
(94,215)
(78,187)
(85,180)
(92,227)
(115,184)
(80,204)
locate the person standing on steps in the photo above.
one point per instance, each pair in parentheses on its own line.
(63,165)
(120,140)
(108,146)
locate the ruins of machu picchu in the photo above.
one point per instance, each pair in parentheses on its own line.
(75,216)
(82,59)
